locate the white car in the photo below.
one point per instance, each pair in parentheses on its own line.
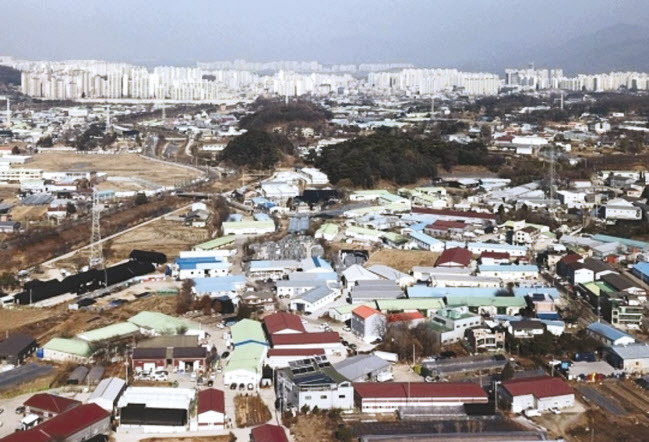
(347,329)
(193,376)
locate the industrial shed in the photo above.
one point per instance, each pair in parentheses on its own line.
(78,376)
(107,393)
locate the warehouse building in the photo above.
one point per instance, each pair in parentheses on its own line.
(155,409)
(537,393)
(392,396)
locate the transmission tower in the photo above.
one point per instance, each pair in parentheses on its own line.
(552,176)
(96,254)
(8,122)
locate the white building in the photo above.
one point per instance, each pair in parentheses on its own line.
(368,323)
(619,208)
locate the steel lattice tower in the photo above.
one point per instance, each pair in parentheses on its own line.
(96,254)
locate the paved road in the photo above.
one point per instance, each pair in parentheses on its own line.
(602,401)
(23,374)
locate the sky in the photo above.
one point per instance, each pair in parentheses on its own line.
(449,33)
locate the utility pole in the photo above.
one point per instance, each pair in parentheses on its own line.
(107,118)
(562,93)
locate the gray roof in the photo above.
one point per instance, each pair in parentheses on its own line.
(315,294)
(358,367)
(109,388)
(631,351)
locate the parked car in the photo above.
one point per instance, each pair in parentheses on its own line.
(233,386)
(347,329)
(213,375)
(20,410)
(225,355)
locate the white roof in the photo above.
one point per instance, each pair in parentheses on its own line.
(358,273)
(108,389)
(158,397)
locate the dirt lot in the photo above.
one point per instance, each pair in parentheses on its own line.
(403,260)
(169,237)
(250,411)
(124,164)
(44,324)
(597,425)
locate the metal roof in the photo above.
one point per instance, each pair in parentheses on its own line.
(360,366)
(608,332)
(71,346)
(113,331)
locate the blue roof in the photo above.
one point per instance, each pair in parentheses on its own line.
(642,268)
(211,262)
(321,263)
(524,291)
(548,317)
(508,268)
(422,237)
(261,217)
(625,241)
(218,284)
(418,227)
(609,332)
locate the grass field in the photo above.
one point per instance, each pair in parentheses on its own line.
(123,164)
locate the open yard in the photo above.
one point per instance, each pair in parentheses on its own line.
(169,237)
(403,260)
(250,411)
(123,164)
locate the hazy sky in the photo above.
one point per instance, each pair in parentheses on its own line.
(424,32)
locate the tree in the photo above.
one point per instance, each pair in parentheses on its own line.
(45,141)
(205,304)
(245,311)
(15,150)
(140,199)
(9,281)
(507,373)
(70,208)
(257,150)
(185,298)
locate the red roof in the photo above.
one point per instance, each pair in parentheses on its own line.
(456,255)
(570,258)
(405,316)
(441,224)
(369,390)
(454,213)
(540,387)
(295,352)
(495,255)
(62,426)
(305,338)
(283,321)
(211,400)
(268,433)
(365,311)
(50,403)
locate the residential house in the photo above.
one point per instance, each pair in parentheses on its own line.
(368,323)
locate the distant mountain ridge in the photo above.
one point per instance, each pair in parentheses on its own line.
(620,47)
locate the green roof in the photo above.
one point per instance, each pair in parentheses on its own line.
(410,304)
(246,357)
(598,287)
(364,231)
(328,229)
(394,237)
(481,301)
(438,327)
(161,323)
(247,330)
(72,346)
(216,243)
(119,330)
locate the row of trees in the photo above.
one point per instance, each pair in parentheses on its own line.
(270,113)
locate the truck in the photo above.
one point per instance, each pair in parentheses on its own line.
(386,356)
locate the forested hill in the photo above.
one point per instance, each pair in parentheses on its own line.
(9,78)
(399,158)
(270,114)
(256,149)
